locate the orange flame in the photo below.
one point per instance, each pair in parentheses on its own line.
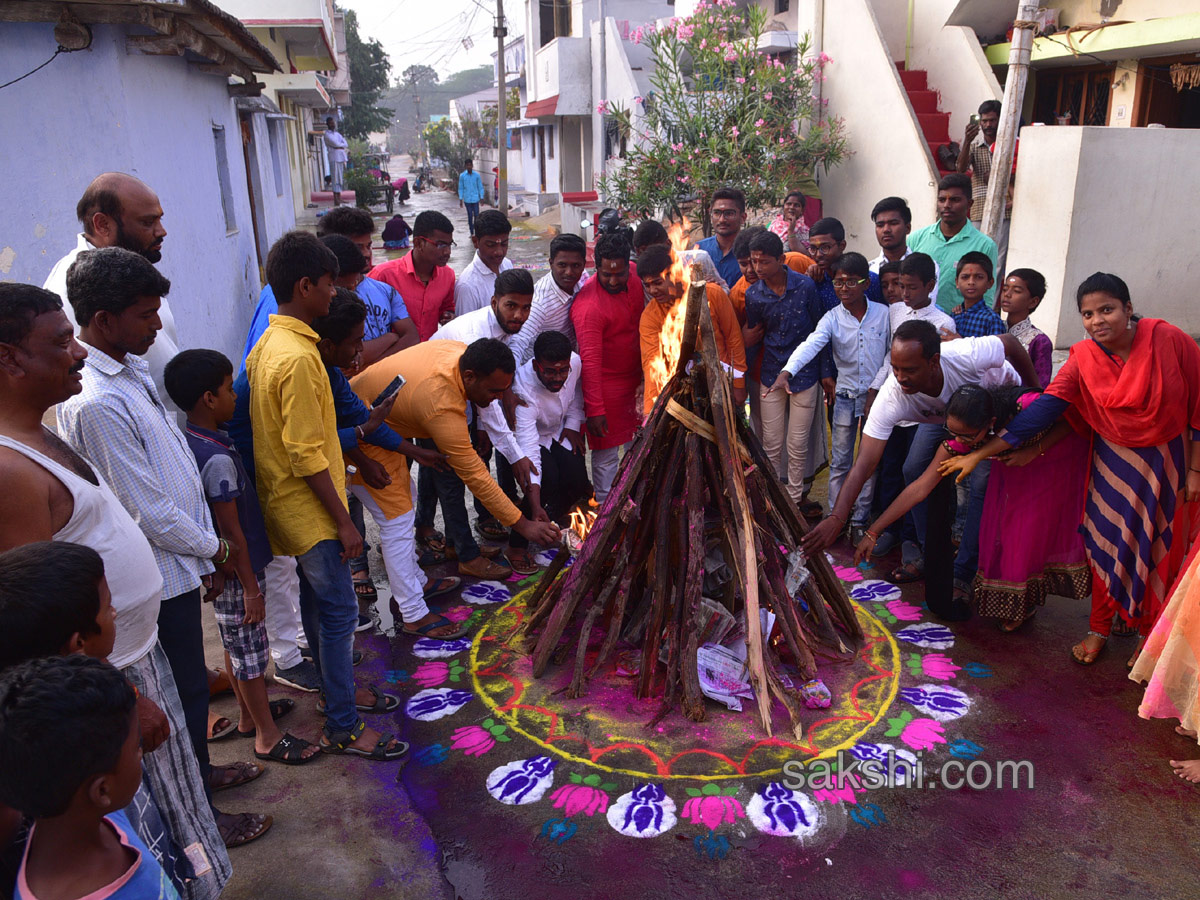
(670,338)
(577,532)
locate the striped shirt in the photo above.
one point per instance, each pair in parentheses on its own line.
(551,311)
(119,425)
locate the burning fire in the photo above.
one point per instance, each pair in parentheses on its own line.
(577,532)
(670,339)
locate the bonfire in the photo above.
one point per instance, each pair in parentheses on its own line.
(694,486)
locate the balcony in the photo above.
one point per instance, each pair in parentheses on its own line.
(562,70)
(300,31)
(302,88)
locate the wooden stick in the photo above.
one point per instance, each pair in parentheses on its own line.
(585,631)
(693,582)
(662,583)
(547,579)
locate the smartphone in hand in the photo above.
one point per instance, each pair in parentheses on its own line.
(394,385)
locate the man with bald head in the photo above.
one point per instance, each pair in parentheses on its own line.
(119,210)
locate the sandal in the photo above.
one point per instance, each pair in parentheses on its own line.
(492,530)
(219,683)
(216,730)
(435,541)
(1136,653)
(243,772)
(442,586)
(279,708)
(289,750)
(247,827)
(811,509)
(342,742)
(439,622)
(1121,628)
(365,590)
(1089,659)
(521,562)
(384,703)
(906,573)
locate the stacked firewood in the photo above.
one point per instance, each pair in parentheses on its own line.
(639,573)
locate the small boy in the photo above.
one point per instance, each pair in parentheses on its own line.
(200,382)
(973,317)
(70,758)
(889,281)
(918,282)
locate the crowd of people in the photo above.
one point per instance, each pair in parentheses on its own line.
(141,479)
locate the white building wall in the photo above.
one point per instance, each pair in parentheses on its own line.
(1077,192)
(150,116)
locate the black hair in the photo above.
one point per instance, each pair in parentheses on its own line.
(35,621)
(730,193)
(921,332)
(551,346)
(348,221)
(956,181)
(349,257)
(99,197)
(830,226)
(111,280)
(491,222)
(1103,283)
(611,246)
(63,720)
(893,204)
(791,194)
(20,304)
(346,312)
(891,267)
(647,233)
(193,373)
(990,106)
(428,222)
(975,257)
(654,260)
(741,243)
(1035,281)
(973,405)
(485,356)
(295,256)
(568,243)
(921,265)
(852,264)
(513,281)
(767,242)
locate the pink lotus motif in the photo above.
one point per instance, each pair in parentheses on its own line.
(431,673)
(905,612)
(922,734)
(579,798)
(472,740)
(939,666)
(844,791)
(711,806)
(847,573)
(458,613)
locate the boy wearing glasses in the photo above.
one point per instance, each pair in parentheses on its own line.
(423,278)
(826,243)
(859,334)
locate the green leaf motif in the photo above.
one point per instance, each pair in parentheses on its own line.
(592,780)
(693,792)
(898,724)
(576,778)
(730,790)
(711,790)
(503,738)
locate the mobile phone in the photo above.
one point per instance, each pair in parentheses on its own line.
(394,385)
(975,118)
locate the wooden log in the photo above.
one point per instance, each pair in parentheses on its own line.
(745,562)
(675,628)
(662,583)
(785,611)
(644,542)
(589,621)
(696,298)
(547,579)
(781,693)
(693,699)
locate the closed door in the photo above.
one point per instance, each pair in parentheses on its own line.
(541,146)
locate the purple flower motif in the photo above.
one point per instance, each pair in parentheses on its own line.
(874,591)
(777,809)
(646,811)
(940,702)
(486,592)
(929,635)
(522,781)
(435,703)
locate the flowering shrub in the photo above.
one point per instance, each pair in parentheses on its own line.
(722,112)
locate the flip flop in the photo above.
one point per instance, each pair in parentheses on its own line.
(492,530)
(366,590)
(439,622)
(904,574)
(442,586)
(435,542)
(1090,658)
(279,708)
(288,750)
(246,772)
(342,742)
(264,825)
(216,733)
(384,703)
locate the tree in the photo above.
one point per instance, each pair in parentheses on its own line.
(721,113)
(369,71)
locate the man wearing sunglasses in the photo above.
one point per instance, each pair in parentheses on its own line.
(423,278)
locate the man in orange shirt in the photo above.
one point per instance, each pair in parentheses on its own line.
(422,278)
(654,269)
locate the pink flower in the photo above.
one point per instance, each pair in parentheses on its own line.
(850,786)
(740,80)
(579,798)
(735,131)
(685,32)
(713,810)
(431,673)
(715,160)
(672,160)
(703,43)
(731,56)
(602,107)
(759,124)
(458,613)
(905,612)
(939,666)
(677,147)
(473,740)
(824,59)
(922,734)
(767,95)
(684,178)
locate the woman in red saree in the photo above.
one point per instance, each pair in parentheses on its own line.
(1136,382)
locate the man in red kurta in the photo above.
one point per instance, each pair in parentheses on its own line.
(605,315)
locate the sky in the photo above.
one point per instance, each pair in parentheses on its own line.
(431,32)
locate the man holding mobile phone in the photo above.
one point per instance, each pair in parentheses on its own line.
(975,158)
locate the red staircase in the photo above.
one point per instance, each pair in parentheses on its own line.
(935,124)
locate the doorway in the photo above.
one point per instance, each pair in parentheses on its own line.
(541,155)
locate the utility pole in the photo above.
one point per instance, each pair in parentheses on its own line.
(501,111)
(420,131)
(1010,117)
(598,133)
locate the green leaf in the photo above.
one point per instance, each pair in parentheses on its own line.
(592,780)
(730,790)
(693,792)
(608,786)
(498,729)
(488,722)
(503,738)
(898,724)
(711,790)
(576,778)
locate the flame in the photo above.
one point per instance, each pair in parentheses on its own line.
(670,338)
(577,532)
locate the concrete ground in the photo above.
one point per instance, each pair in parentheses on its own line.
(1105,817)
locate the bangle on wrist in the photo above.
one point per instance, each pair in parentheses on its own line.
(358,430)
(834,515)
(223,544)
(872,535)
(258,596)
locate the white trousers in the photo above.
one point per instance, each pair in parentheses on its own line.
(398,545)
(284,628)
(604,469)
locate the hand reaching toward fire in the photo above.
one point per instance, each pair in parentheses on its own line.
(545,533)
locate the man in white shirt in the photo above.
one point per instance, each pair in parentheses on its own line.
(477,283)
(553,295)
(118,210)
(548,432)
(335,150)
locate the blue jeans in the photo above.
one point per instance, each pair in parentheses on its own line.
(472,212)
(329,611)
(359,563)
(847,420)
(890,482)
